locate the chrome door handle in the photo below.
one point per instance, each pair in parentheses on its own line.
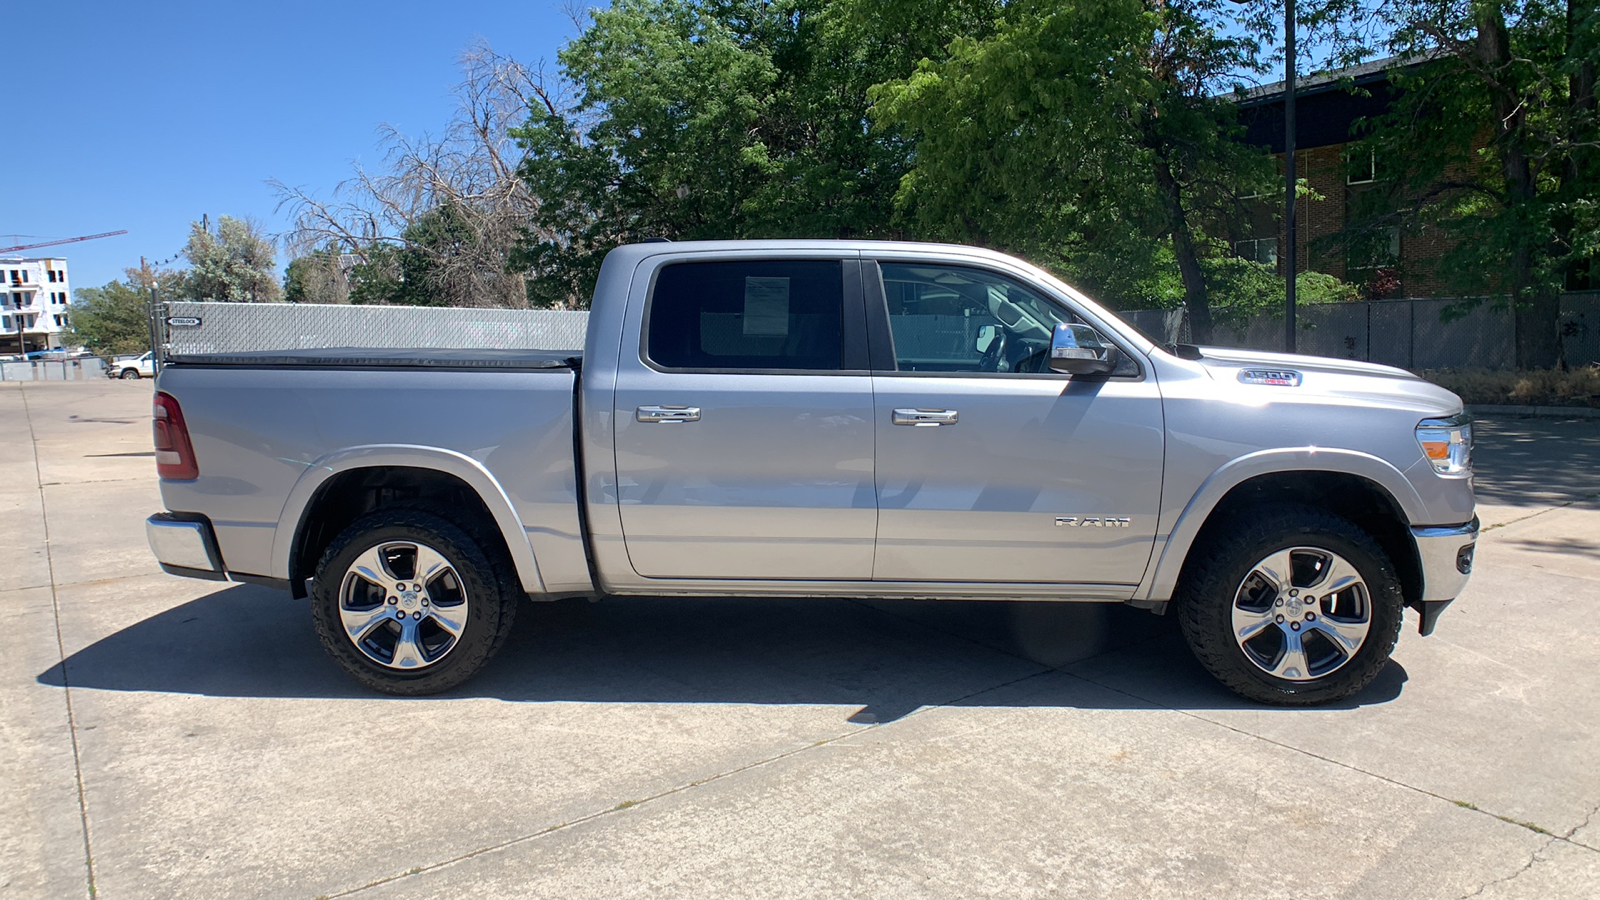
(923,417)
(667,414)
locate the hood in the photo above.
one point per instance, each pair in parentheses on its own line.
(1331,377)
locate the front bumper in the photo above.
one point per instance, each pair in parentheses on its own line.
(1445,553)
(184,545)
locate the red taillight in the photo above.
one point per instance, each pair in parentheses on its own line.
(174,453)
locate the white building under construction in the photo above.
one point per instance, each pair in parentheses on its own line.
(34,296)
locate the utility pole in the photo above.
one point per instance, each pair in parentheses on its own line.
(1288,177)
(150,316)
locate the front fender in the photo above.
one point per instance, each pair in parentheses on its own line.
(380,456)
(1163,578)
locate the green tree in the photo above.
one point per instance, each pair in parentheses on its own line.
(408,272)
(1494,141)
(112,318)
(732,119)
(1089,135)
(316,277)
(234,263)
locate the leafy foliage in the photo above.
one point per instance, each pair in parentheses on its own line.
(740,119)
(316,277)
(233,263)
(1089,135)
(113,318)
(1246,289)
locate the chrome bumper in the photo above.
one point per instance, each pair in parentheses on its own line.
(1446,556)
(184,545)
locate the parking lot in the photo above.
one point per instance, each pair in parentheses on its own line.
(165,737)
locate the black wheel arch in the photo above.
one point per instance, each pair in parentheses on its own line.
(354,493)
(1360,500)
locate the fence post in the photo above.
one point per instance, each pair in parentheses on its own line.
(1411,335)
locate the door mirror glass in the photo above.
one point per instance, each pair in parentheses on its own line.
(986,335)
(1078,350)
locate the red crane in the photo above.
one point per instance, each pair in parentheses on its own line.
(71,240)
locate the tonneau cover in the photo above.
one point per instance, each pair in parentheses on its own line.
(366,357)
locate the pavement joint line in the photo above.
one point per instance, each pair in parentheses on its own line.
(45,484)
(1537,829)
(61,650)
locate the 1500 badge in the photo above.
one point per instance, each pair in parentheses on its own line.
(1093,521)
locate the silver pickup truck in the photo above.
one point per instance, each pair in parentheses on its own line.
(825,419)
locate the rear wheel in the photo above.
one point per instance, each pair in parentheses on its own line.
(1292,606)
(408,603)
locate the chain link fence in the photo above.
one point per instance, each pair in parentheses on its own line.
(1410,334)
(53,369)
(190,328)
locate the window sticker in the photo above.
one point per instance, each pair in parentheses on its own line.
(766,306)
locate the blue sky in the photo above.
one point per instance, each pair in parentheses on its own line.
(143,116)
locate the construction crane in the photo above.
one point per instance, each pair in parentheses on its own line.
(71,240)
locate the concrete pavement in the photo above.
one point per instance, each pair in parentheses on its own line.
(174,738)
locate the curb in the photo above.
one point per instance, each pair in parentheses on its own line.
(1535,412)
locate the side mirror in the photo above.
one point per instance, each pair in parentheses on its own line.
(986,334)
(1077,350)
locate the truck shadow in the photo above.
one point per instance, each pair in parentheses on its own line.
(884,658)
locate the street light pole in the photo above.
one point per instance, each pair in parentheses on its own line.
(1288,177)
(150,316)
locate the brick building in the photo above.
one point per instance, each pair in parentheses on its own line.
(1340,175)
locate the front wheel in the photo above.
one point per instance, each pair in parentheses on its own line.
(130,374)
(408,603)
(1291,606)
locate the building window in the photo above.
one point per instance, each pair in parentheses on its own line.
(1258,238)
(1363,170)
(1380,250)
(1261,250)
(5,322)
(61,321)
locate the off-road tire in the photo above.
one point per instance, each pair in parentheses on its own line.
(487,577)
(1207,589)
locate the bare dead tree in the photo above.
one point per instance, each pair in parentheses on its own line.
(468,174)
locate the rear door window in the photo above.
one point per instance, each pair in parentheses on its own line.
(740,316)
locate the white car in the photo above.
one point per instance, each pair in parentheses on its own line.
(133,367)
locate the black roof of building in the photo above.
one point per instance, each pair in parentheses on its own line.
(1327,105)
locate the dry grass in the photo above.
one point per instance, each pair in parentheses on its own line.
(1578,387)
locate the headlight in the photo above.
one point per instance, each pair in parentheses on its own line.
(1447,443)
